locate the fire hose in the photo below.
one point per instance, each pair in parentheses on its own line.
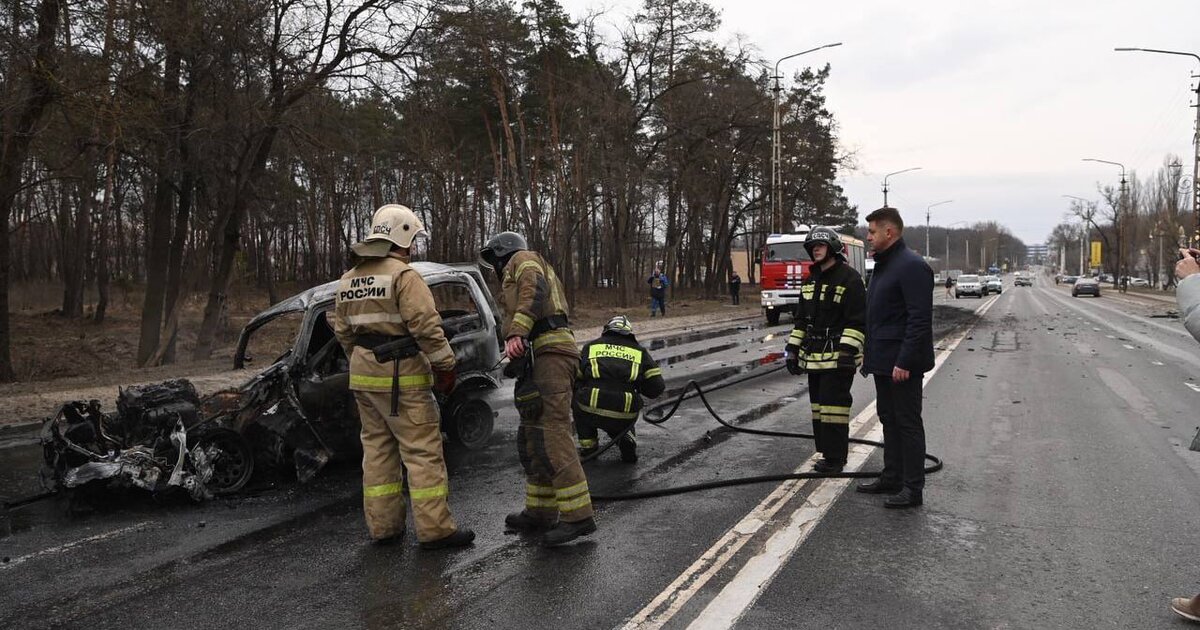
(693,390)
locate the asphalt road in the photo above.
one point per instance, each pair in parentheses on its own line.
(1069,500)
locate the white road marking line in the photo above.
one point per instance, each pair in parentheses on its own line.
(1159,363)
(1111,336)
(71,545)
(1095,329)
(679,592)
(1128,347)
(1193,386)
(751,581)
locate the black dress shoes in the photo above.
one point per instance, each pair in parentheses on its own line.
(906,498)
(878,486)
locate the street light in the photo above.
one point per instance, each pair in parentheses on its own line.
(885,182)
(776,170)
(967,263)
(1084,219)
(927,209)
(1119,220)
(1195,136)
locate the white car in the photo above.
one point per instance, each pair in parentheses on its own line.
(1139,282)
(992,284)
(968,285)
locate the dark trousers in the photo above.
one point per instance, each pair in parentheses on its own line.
(588,427)
(899,408)
(829,394)
(736,294)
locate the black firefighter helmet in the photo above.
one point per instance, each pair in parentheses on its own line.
(500,248)
(825,236)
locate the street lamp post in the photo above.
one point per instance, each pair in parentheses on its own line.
(1195,138)
(1084,220)
(927,209)
(1120,220)
(885,181)
(968,263)
(776,169)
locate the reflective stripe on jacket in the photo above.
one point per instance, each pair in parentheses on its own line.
(830,318)
(614,373)
(385,296)
(532,292)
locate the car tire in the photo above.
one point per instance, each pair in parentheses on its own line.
(471,424)
(773,317)
(956,295)
(233,465)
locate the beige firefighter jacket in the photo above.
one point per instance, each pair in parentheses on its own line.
(385,296)
(531,292)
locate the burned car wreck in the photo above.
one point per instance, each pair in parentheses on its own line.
(297,414)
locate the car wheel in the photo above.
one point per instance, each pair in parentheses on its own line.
(956,295)
(773,317)
(471,424)
(232,459)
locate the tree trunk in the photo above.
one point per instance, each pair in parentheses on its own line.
(159,238)
(16,133)
(227,237)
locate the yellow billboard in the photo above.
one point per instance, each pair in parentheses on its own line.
(1095,254)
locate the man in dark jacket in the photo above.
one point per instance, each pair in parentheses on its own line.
(899,352)
(614,373)
(658,282)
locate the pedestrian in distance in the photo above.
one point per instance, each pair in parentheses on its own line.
(949,286)
(614,373)
(899,352)
(386,320)
(735,288)
(1187,270)
(558,504)
(827,343)
(658,282)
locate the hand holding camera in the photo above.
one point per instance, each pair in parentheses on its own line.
(1188,263)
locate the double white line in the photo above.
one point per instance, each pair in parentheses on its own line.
(740,593)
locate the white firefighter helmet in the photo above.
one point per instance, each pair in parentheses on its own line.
(393,224)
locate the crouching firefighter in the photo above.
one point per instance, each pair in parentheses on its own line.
(541,349)
(614,373)
(827,343)
(388,324)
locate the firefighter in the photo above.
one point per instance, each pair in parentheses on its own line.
(614,373)
(827,343)
(557,500)
(386,311)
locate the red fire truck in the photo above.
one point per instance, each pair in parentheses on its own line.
(785,266)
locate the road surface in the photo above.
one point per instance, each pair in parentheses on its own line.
(1069,500)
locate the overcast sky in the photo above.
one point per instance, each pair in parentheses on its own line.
(996,100)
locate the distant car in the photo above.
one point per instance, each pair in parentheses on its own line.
(968,285)
(1086,286)
(1108,277)
(1069,279)
(1023,280)
(993,284)
(1139,282)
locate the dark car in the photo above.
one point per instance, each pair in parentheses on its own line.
(1086,286)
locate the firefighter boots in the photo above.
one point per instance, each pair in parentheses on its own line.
(525,523)
(628,446)
(460,538)
(827,466)
(564,532)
